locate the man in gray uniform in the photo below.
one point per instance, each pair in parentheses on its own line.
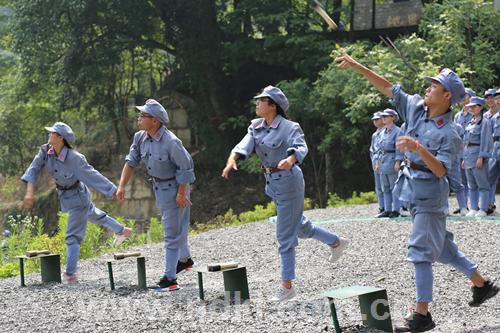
(430,145)
(172,170)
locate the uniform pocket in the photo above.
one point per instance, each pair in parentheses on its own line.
(273,144)
(475,135)
(427,192)
(70,199)
(67,175)
(284,183)
(165,193)
(159,161)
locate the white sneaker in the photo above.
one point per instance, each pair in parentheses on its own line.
(404,212)
(284,294)
(464,212)
(481,213)
(471,213)
(337,251)
(120,238)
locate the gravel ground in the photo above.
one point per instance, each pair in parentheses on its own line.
(375,258)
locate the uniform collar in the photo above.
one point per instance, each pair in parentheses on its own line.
(389,129)
(157,136)
(62,155)
(441,120)
(275,124)
(465,114)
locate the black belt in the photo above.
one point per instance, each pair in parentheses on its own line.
(496,138)
(156,179)
(270,170)
(389,151)
(419,167)
(473,144)
(66,188)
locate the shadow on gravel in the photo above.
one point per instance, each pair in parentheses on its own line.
(359,329)
(483,329)
(125,291)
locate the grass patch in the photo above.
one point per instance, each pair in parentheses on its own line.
(27,234)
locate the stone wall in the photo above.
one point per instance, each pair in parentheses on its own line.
(389,14)
(140,201)
(179,119)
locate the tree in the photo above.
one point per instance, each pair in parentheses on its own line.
(88,61)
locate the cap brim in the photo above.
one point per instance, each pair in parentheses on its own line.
(142,108)
(472,104)
(50,129)
(375,118)
(262,95)
(437,79)
(434,78)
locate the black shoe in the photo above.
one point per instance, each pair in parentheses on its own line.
(491,209)
(480,295)
(417,323)
(166,283)
(394,214)
(456,211)
(185,266)
(383,214)
(380,210)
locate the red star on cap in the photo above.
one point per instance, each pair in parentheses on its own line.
(440,122)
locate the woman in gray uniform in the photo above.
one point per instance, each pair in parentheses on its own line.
(72,174)
(280,145)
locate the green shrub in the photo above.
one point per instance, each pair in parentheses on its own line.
(8,270)
(334,200)
(258,213)
(9,188)
(309,204)
(363,198)
(28,235)
(155,231)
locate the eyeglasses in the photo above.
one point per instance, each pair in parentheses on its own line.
(262,99)
(145,115)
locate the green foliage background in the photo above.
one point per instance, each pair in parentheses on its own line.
(87,62)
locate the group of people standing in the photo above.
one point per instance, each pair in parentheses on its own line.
(431,145)
(476,169)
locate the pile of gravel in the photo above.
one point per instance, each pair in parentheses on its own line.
(376,258)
